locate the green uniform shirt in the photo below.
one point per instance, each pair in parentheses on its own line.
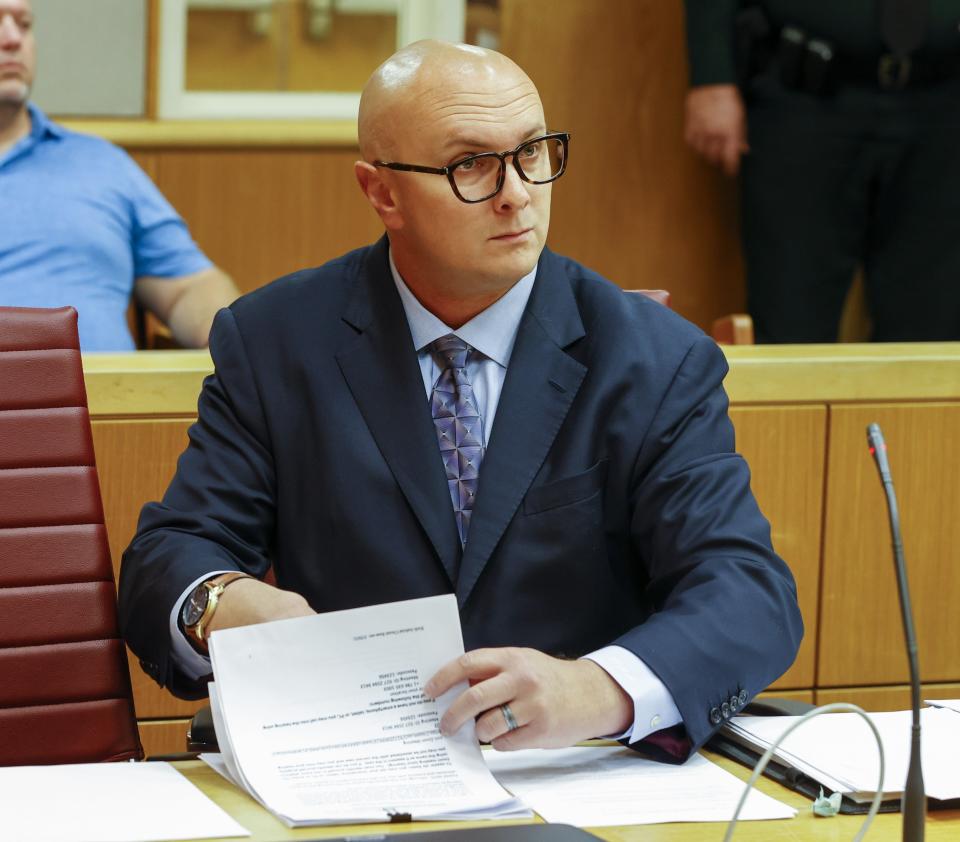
(851,25)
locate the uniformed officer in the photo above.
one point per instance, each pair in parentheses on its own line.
(844,121)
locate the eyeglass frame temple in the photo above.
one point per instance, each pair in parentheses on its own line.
(564,138)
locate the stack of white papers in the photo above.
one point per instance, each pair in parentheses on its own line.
(603,786)
(839,750)
(107,802)
(950,704)
(324,721)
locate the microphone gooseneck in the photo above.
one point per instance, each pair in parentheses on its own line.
(914,806)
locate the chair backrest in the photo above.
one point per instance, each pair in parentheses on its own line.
(735,329)
(661,296)
(65,692)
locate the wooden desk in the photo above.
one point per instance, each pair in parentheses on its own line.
(942,826)
(799,412)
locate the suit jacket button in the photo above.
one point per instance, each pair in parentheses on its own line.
(734,703)
(715,716)
(743,697)
(725,710)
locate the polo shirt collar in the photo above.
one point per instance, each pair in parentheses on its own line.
(492,332)
(41,126)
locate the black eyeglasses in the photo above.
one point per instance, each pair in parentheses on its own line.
(477,178)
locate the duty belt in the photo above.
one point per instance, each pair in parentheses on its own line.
(892,73)
(814,65)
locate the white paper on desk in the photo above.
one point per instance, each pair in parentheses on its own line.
(328,723)
(226,763)
(107,802)
(839,749)
(602,786)
(216,762)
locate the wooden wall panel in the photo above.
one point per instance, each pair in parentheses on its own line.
(785,449)
(141,403)
(796,695)
(225,54)
(263,213)
(136,460)
(886,698)
(165,736)
(861,632)
(636,204)
(147,162)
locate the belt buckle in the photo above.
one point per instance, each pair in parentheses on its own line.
(893,73)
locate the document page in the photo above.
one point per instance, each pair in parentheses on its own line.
(107,802)
(326,721)
(603,786)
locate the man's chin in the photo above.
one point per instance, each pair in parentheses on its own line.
(504,273)
(526,250)
(13,94)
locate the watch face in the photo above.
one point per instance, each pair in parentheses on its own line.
(195,605)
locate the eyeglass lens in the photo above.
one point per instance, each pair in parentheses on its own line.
(540,161)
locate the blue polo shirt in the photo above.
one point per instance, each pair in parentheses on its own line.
(79,222)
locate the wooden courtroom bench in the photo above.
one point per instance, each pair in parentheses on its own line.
(800,414)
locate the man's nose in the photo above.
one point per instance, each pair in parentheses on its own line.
(514,193)
(10,35)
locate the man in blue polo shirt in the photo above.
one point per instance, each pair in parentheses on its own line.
(81,224)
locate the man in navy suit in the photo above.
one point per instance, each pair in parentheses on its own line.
(457,409)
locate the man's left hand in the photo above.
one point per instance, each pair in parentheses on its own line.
(555,702)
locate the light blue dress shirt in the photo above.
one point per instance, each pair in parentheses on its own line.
(492,334)
(79,222)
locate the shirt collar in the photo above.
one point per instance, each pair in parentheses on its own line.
(40,128)
(41,125)
(492,332)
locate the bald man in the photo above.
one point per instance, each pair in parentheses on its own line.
(457,409)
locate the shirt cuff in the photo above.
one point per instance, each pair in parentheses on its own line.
(187,659)
(653,705)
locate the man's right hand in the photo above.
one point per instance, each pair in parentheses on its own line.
(249,601)
(716,125)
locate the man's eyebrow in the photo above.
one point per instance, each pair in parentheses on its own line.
(465,141)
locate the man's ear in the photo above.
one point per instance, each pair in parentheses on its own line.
(379,194)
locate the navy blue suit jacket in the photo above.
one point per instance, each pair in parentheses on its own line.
(612,507)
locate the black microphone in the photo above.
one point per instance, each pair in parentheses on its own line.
(913,804)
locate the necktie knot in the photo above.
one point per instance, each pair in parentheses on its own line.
(449,352)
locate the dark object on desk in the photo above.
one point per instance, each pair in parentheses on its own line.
(783,774)
(201,735)
(497,833)
(65,692)
(789,776)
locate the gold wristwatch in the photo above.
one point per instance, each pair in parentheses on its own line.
(198,610)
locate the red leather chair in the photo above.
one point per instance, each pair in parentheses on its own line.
(65,693)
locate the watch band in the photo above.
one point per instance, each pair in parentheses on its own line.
(215,588)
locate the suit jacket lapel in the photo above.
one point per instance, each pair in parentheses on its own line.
(541,384)
(383,375)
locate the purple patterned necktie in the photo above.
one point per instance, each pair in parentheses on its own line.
(458,424)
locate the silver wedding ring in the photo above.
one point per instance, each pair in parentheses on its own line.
(508,717)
